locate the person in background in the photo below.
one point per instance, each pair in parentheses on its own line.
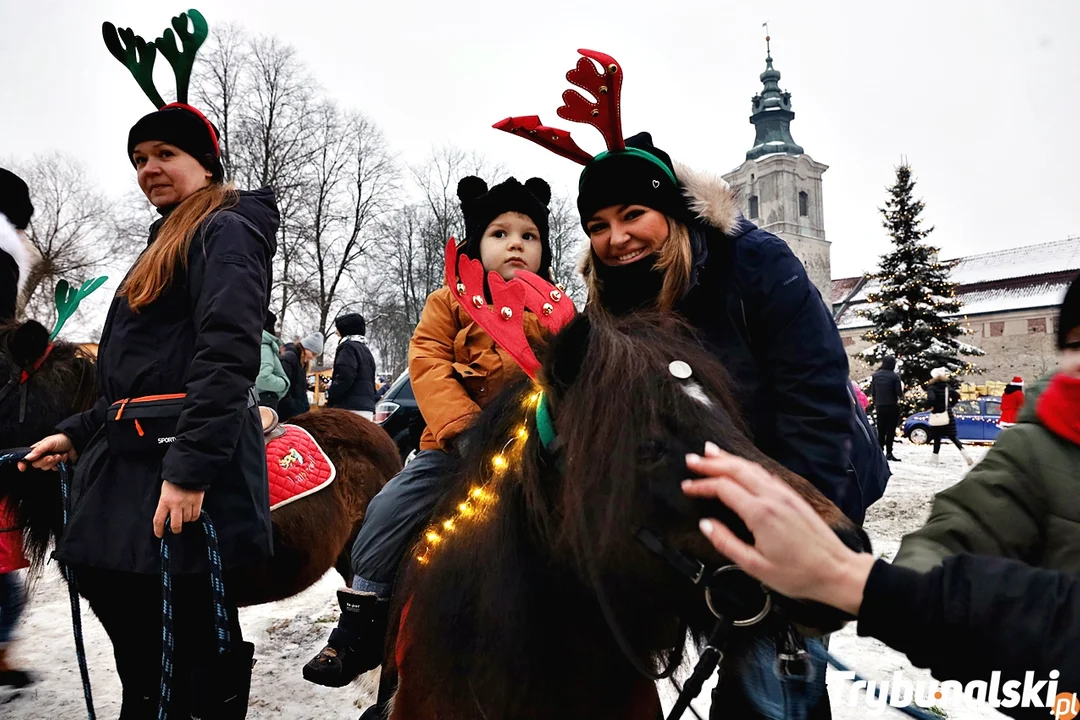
(885,393)
(353,385)
(272,383)
(964,620)
(941,395)
(296,363)
(1011,402)
(15,264)
(864,401)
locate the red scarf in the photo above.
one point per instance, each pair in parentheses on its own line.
(1059,407)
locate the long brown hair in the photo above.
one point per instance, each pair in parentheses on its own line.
(675,262)
(153,272)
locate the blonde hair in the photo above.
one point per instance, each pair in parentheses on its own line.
(675,261)
(154,271)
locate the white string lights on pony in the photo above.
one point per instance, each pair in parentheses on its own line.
(501,318)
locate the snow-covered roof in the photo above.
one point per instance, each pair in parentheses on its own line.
(1042,259)
(1002,281)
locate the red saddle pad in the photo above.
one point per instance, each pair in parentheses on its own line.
(297,466)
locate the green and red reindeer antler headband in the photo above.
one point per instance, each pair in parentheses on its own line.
(138,56)
(604,113)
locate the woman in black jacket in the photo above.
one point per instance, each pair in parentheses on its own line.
(965,620)
(941,396)
(183,337)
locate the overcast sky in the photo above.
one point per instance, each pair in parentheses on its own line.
(981,97)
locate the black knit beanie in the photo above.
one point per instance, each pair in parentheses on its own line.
(1069,319)
(643,174)
(480,206)
(184,127)
(15,202)
(351,324)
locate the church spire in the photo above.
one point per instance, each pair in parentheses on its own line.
(772,114)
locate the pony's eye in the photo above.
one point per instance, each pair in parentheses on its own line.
(651,452)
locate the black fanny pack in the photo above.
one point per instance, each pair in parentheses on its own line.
(147,425)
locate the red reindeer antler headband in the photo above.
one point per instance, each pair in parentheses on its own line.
(604,114)
(502,318)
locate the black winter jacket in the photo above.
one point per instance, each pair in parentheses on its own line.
(201,337)
(973,616)
(11,272)
(295,401)
(353,384)
(885,387)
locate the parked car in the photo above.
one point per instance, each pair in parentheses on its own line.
(976,421)
(398,414)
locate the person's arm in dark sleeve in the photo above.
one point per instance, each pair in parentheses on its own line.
(806,368)
(974,615)
(81,427)
(228,286)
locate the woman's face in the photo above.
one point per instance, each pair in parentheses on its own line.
(1070,356)
(167,174)
(624,234)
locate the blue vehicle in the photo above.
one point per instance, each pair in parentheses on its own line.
(976,421)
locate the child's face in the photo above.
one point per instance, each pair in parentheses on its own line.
(511,243)
(1070,356)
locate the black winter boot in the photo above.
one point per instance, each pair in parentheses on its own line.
(356,644)
(224,685)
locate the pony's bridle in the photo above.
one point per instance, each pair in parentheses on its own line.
(791,653)
(18,380)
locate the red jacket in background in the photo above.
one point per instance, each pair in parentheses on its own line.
(1010,407)
(11,549)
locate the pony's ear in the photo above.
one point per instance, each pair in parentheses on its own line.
(567,352)
(28,343)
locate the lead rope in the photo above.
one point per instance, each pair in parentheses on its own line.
(221,614)
(73,588)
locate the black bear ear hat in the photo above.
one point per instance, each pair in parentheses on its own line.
(1069,319)
(178,123)
(480,205)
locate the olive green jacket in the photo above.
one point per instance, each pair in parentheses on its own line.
(1022,502)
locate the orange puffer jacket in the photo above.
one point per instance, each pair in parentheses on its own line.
(456,368)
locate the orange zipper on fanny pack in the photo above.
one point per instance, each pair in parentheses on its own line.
(146,398)
(138,427)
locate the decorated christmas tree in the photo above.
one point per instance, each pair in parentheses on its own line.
(914,306)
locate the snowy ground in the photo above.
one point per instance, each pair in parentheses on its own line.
(286,634)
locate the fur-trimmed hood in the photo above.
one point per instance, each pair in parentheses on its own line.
(14,245)
(710,198)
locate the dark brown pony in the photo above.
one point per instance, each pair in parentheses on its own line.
(512,602)
(311,535)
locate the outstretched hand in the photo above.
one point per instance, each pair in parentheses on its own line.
(794,551)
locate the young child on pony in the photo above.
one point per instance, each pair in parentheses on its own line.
(455,368)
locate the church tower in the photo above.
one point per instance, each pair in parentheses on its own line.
(779,185)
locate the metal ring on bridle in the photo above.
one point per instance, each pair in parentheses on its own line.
(762,614)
